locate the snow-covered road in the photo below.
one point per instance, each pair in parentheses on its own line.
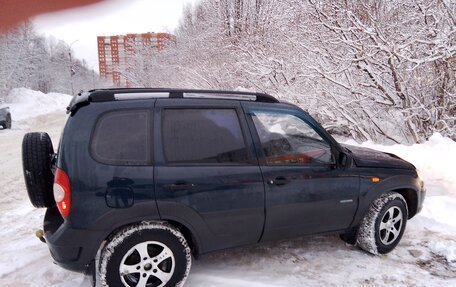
(426,255)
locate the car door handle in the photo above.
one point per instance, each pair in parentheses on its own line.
(280,180)
(179,186)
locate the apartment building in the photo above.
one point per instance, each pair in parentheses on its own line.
(115,51)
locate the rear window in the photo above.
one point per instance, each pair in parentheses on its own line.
(123,138)
(203,136)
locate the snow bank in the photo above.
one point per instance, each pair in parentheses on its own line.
(442,209)
(25,103)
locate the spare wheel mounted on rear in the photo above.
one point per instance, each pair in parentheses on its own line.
(37,155)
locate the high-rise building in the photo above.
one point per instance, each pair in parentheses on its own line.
(114,52)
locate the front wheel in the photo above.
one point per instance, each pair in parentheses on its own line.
(383,226)
(151,254)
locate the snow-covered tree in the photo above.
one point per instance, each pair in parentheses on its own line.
(30,60)
(376,69)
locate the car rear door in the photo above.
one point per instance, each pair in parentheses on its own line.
(206,173)
(305,191)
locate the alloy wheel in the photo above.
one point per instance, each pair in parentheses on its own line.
(147,264)
(390,225)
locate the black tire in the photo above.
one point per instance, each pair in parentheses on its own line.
(37,153)
(383,226)
(7,122)
(168,257)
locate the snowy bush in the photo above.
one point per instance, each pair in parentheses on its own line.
(373,70)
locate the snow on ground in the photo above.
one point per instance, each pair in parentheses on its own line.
(426,255)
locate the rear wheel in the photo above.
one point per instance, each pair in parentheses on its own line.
(37,154)
(147,254)
(8,122)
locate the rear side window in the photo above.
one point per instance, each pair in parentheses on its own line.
(203,136)
(123,137)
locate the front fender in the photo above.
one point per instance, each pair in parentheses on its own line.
(370,191)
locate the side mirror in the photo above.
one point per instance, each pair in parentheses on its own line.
(345,160)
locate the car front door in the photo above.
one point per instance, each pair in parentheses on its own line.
(305,190)
(207,176)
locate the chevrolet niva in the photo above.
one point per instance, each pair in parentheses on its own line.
(144,179)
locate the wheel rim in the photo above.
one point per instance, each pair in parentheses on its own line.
(148,264)
(391,225)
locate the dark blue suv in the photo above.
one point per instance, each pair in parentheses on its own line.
(145,178)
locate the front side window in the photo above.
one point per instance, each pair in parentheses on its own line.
(286,139)
(203,136)
(123,138)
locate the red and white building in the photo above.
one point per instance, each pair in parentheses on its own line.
(115,51)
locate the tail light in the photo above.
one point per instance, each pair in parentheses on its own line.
(62,192)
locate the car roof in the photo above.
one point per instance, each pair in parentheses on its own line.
(104,95)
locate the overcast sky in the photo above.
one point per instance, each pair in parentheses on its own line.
(81,26)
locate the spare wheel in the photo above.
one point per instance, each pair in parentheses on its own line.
(37,155)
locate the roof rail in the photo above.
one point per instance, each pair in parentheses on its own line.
(103,95)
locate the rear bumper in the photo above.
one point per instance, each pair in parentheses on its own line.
(72,249)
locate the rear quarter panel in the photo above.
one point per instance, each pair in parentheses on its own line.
(90,179)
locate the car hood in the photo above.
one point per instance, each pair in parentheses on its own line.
(366,157)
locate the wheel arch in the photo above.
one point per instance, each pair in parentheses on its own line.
(409,193)
(192,241)
(405,185)
(411,199)
(189,236)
